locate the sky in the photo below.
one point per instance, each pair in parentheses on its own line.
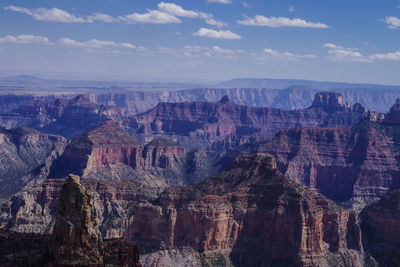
(202,40)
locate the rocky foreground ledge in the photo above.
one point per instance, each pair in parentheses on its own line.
(76,240)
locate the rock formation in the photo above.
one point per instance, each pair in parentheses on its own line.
(121,253)
(351,165)
(77,240)
(250,215)
(381,231)
(289,97)
(65,117)
(393,117)
(330,102)
(205,125)
(109,153)
(23,151)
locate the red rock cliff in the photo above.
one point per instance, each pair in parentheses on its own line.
(253,212)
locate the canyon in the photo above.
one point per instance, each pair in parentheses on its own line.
(217,222)
(194,182)
(222,125)
(136,98)
(23,152)
(352,165)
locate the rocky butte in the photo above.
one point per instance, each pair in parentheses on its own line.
(109,153)
(222,124)
(354,165)
(65,117)
(248,215)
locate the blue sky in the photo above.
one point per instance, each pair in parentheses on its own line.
(203,40)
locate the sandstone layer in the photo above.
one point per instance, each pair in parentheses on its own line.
(221,125)
(109,153)
(65,117)
(252,214)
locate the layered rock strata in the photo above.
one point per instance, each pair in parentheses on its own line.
(77,239)
(224,124)
(224,214)
(65,117)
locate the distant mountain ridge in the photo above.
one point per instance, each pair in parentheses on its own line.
(284,83)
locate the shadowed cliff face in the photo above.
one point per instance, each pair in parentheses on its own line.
(76,240)
(380,223)
(351,165)
(393,117)
(23,152)
(223,124)
(252,213)
(65,117)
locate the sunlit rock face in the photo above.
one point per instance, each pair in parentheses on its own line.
(252,214)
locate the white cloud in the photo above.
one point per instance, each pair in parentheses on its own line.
(166,13)
(220,1)
(274,22)
(219,50)
(270,54)
(393,22)
(395,56)
(210,33)
(340,54)
(246,5)
(44,14)
(178,11)
(25,39)
(292,9)
(94,43)
(152,16)
(101,17)
(195,51)
(58,15)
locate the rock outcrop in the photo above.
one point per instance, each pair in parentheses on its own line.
(23,151)
(65,117)
(109,153)
(292,95)
(330,101)
(24,249)
(250,215)
(380,223)
(121,253)
(224,124)
(393,117)
(77,239)
(354,166)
